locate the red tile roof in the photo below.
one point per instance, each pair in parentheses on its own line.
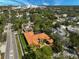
(32,38)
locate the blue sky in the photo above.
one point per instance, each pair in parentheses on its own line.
(38,2)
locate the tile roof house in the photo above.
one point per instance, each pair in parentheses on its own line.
(34,39)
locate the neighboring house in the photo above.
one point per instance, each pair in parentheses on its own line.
(73,18)
(65,54)
(27,27)
(74,29)
(60,32)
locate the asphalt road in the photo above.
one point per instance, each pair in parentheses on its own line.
(11,45)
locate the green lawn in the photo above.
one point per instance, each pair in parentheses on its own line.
(23,41)
(19,49)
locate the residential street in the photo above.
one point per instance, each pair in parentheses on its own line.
(11,47)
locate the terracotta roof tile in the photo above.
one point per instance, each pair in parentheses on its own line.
(32,38)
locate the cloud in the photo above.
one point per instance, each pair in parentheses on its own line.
(45,3)
(8,2)
(32,2)
(14,2)
(22,2)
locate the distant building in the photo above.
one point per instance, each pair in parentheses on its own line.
(77,23)
(65,15)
